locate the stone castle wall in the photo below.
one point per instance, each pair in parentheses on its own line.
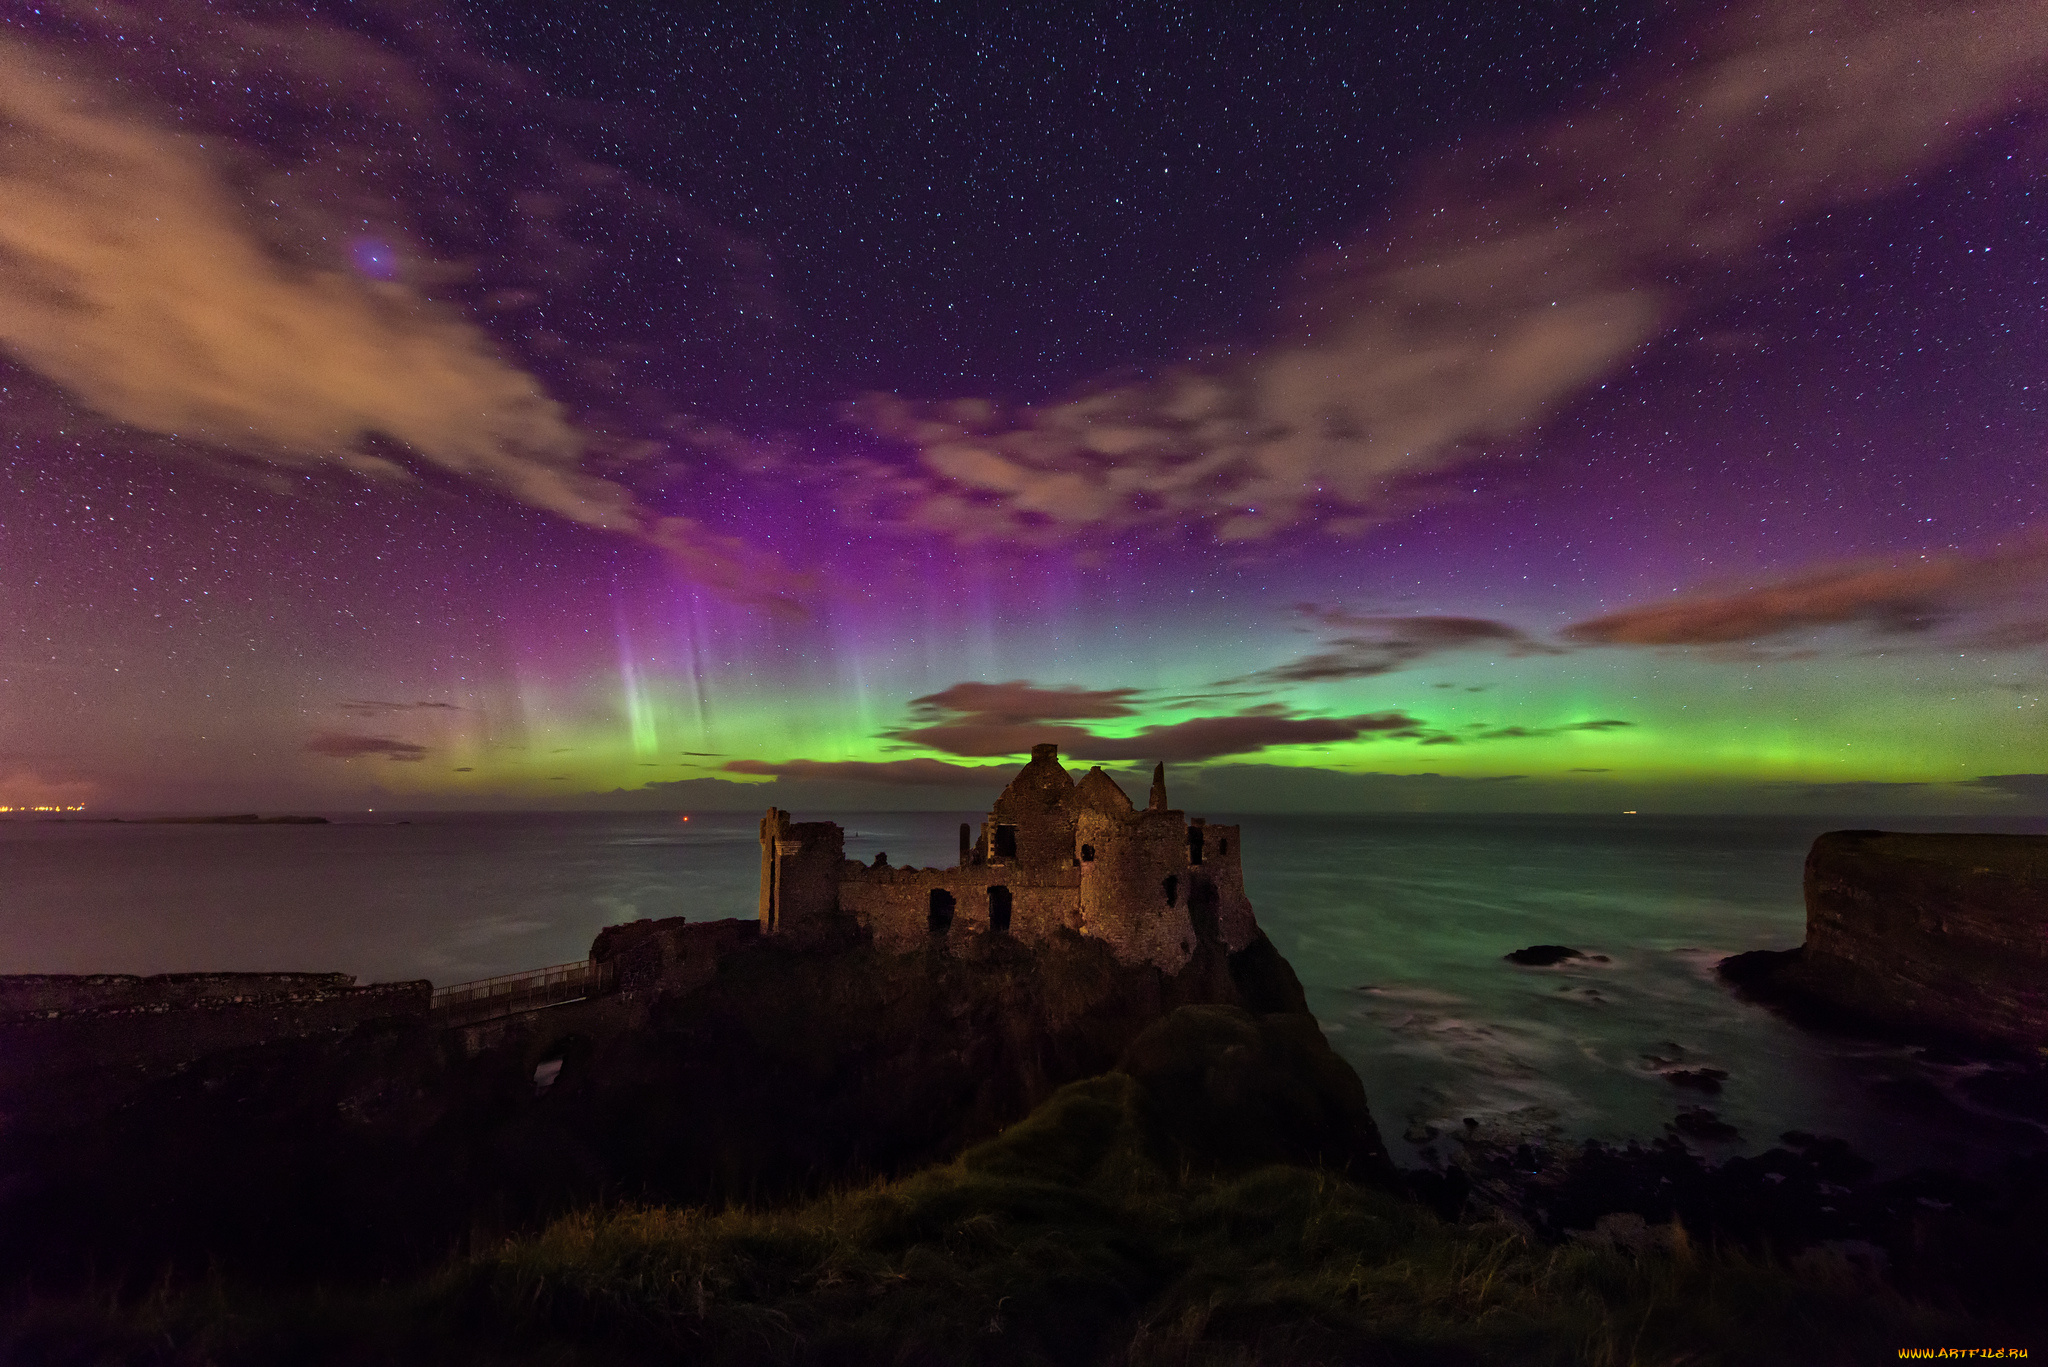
(1219,885)
(894,906)
(1135,891)
(1072,857)
(800,862)
(671,956)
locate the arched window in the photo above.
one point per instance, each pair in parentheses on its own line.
(999,903)
(1087,854)
(1170,885)
(940,919)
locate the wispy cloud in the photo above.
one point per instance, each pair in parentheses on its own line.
(1020,700)
(1369,644)
(364,707)
(1185,742)
(1479,731)
(136,274)
(341,745)
(1518,274)
(1894,602)
(895,772)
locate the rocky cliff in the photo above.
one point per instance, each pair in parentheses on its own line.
(738,1069)
(1932,935)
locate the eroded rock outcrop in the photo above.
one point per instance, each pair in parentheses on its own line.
(1932,935)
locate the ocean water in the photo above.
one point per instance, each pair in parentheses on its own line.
(1396,924)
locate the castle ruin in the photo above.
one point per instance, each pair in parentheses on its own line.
(1053,857)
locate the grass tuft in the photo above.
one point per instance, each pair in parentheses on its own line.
(1058,1242)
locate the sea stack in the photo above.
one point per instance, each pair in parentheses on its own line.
(1936,935)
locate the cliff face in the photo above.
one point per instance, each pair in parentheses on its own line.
(740,1068)
(1932,934)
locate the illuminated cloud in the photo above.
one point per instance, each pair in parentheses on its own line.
(341,745)
(1186,742)
(1893,601)
(1513,278)
(1535,732)
(1020,700)
(1480,731)
(895,772)
(1370,645)
(136,275)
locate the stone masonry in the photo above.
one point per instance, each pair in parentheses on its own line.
(1054,855)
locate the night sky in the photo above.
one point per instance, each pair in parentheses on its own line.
(1412,407)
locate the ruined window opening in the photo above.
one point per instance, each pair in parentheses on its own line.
(1194,844)
(1006,842)
(1087,854)
(1170,885)
(1223,846)
(999,903)
(941,918)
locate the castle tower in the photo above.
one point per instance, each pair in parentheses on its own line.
(799,873)
(1032,824)
(1137,888)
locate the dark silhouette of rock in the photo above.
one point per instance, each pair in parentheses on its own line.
(1697,1122)
(1940,937)
(1706,1080)
(1543,956)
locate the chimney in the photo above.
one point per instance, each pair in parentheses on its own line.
(1159,788)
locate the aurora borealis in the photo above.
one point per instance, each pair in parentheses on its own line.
(1418,409)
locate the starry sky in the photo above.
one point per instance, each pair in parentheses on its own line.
(1383,407)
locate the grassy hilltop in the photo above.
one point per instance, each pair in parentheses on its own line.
(1133,1218)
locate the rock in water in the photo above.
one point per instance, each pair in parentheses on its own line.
(1543,956)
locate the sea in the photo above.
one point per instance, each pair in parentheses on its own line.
(1396,924)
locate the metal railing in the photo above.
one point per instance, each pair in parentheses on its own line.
(510,993)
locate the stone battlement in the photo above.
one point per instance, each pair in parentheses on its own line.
(1054,856)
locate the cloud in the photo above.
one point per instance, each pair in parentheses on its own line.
(341,745)
(1481,731)
(173,278)
(1514,277)
(1377,644)
(1021,701)
(896,772)
(1186,742)
(1896,601)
